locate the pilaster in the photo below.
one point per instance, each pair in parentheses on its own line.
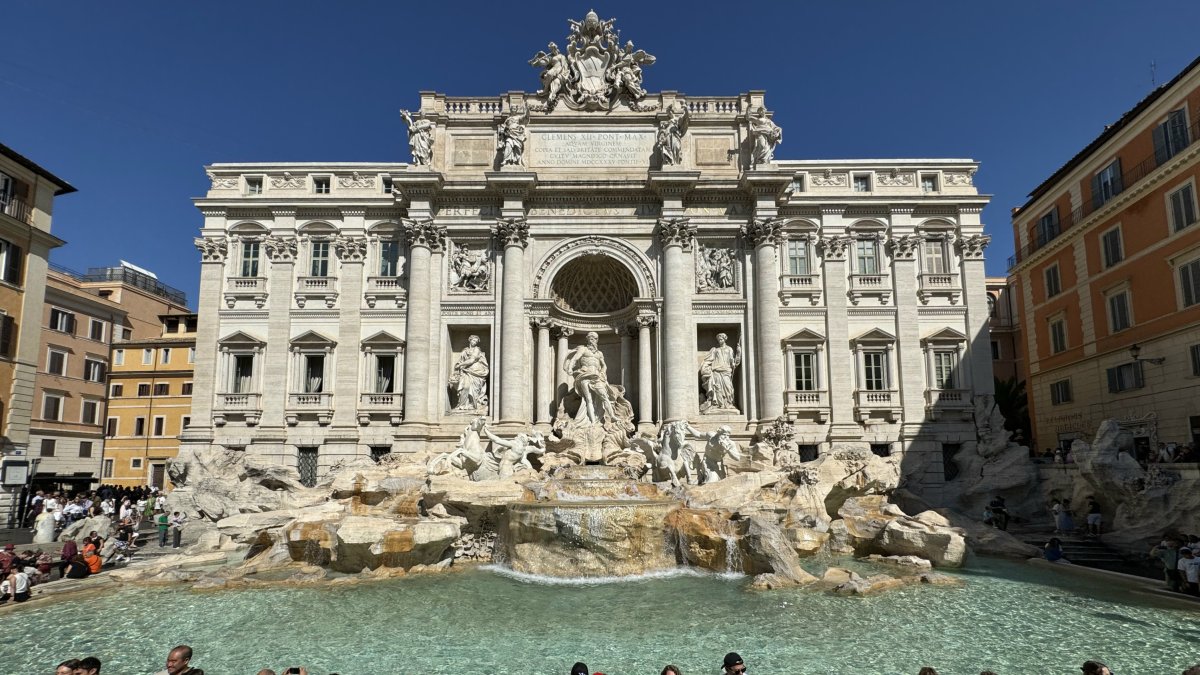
(281,249)
(513,234)
(834,247)
(424,236)
(904,248)
(213,250)
(979,348)
(351,250)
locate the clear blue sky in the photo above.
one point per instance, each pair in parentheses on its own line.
(128,100)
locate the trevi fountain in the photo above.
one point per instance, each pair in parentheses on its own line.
(578,505)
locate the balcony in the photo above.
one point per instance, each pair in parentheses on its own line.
(17,208)
(389,405)
(881,403)
(245,288)
(318,404)
(316,288)
(385,288)
(246,406)
(876,285)
(932,285)
(800,286)
(955,401)
(809,404)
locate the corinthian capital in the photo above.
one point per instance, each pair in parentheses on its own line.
(350,249)
(834,248)
(905,247)
(763,231)
(280,249)
(676,231)
(972,247)
(212,249)
(512,232)
(424,233)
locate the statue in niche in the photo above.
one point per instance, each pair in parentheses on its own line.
(589,374)
(511,135)
(766,134)
(512,455)
(420,138)
(469,378)
(716,374)
(469,271)
(714,268)
(555,72)
(670,138)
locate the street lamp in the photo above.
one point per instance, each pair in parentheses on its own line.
(1135,352)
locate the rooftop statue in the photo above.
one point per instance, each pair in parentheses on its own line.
(510,138)
(420,137)
(596,73)
(767,135)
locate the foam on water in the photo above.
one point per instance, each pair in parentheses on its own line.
(543,580)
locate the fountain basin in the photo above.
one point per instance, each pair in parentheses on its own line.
(591,489)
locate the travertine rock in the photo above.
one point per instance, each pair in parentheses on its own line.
(80,529)
(928,535)
(215,483)
(766,551)
(367,542)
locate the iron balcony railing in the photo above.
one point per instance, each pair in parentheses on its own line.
(1129,178)
(137,280)
(19,209)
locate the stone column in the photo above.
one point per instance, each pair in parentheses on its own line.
(978,359)
(352,251)
(645,370)
(545,371)
(676,236)
(212,265)
(514,366)
(424,236)
(842,361)
(281,249)
(765,236)
(560,358)
(627,357)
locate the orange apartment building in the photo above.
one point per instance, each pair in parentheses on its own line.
(1106,278)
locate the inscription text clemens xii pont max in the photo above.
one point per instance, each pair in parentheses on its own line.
(591,148)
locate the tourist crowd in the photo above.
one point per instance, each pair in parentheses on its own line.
(179,663)
(1180,558)
(1165,453)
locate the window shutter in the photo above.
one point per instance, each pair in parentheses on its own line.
(1118,184)
(1161,153)
(7,330)
(1097,196)
(1113,384)
(71,324)
(1179,131)
(1185,280)
(1138,382)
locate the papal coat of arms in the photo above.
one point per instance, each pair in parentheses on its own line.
(596,73)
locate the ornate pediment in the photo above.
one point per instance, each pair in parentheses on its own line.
(596,73)
(805,336)
(241,338)
(382,339)
(875,336)
(311,338)
(944,336)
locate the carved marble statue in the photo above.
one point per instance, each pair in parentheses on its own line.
(469,271)
(512,454)
(714,268)
(671,456)
(469,455)
(469,378)
(511,136)
(719,445)
(596,71)
(589,374)
(555,73)
(766,134)
(669,141)
(420,138)
(716,374)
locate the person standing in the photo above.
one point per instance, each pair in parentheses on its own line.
(162,522)
(1189,571)
(178,520)
(1167,552)
(1093,517)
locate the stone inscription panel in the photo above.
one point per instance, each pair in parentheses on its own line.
(473,151)
(584,149)
(713,151)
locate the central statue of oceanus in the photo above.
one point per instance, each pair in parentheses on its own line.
(596,73)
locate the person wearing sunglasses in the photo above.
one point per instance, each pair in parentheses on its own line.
(734,664)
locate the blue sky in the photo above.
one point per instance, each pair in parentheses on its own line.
(128,100)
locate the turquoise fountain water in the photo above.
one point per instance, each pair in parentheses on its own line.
(1010,618)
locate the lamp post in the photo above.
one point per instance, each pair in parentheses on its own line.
(1135,353)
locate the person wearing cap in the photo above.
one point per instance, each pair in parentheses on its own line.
(733,664)
(1189,571)
(1095,668)
(580,668)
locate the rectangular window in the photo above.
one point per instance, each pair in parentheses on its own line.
(243,373)
(119,357)
(11,259)
(797,257)
(1183,207)
(94,371)
(1125,377)
(321,185)
(929,182)
(1110,247)
(166,355)
(48,447)
(1189,281)
(1194,350)
(1053,284)
(52,405)
(385,373)
(254,186)
(110,427)
(995,350)
(943,369)
(135,463)
(1106,184)
(805,371)
(389,258)
(314,374)
(56,362)
(160,426)
(116,391)
(63,322)
(1118,311)
(386,184)
(320,259)
(306,462)
(862,182)
(108,468)
(89,412)
(875,371)
(1171,136)
(85,448)
(868,262)
(144,389)
(1060,392)
(96,330)
(249,258)
(139,426)
(147,357)
(1047,227)
(185,389)
(162,388)
(191,354)
(935,256)
(1058,336)
(8,335)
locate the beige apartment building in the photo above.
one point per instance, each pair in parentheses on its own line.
(27,193)
(83,315)
(150,403)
